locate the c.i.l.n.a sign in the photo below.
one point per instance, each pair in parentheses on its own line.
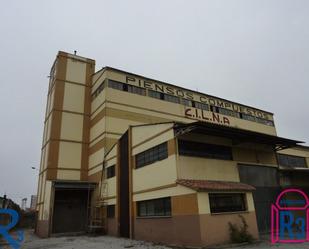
(205,116)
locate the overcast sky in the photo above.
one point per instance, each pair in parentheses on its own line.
(255,52)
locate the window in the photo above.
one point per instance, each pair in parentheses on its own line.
(186,102)
(201,106)
(110,211)
(213,109)
(189,148)
(220,203)
(171,98)
(154,94)
(156,207)
(98,91)
(110,171)
(151,155)
(247,117)
(116,85)
(136,90)
(228,112)
(264,121)
(291,161)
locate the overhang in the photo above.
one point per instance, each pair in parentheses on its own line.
(74,185)
(237,135)
(294,169)
(207,185)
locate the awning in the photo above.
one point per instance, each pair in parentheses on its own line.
(74,185)
(237,135)
(294,169)
(207,185)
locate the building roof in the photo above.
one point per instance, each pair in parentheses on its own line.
(237,135)
(207,185)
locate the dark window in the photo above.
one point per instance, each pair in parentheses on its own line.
(157,207)
(98,91)
(201,106)
(291,161)
(151,155)
(110,211)
(186,102)
(189,148)
(110,171)
(264,121)
(212,109)
(228,112)
(154,94)
(116,85)
(171,98)
(220,203)
(136,90)
(247,117)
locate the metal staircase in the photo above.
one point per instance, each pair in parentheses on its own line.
(98,213)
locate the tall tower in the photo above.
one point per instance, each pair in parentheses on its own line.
(64,153)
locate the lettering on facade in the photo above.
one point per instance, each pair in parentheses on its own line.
(182,93)
(206,116)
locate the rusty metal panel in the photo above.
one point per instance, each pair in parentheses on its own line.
(70,211)
(266,181)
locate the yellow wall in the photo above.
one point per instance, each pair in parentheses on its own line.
(76,71)
(143,133)
(72,127)
(207,169)
(72,175)
(169,191)
(152,140)
(47,191)
(111,187)
(74,98)
(96,158)
(155,175)
(253,153)
(69,155)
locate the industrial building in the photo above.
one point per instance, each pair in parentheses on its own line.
(139,158)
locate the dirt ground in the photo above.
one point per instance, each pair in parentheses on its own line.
(106,242)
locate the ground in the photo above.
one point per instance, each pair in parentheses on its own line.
(107,242)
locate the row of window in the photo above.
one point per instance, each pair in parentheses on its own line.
(196,149)
(219,203)
(174,99)
(291,161)
(151,155)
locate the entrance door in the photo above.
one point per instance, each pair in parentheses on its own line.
(70,211)
(265,180)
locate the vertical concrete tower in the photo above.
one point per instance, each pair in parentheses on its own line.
(66,130)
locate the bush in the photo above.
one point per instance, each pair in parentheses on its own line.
(240,234)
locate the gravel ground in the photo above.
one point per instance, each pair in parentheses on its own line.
(107,242)
(85,242)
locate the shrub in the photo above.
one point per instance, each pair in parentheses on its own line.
(240,234)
